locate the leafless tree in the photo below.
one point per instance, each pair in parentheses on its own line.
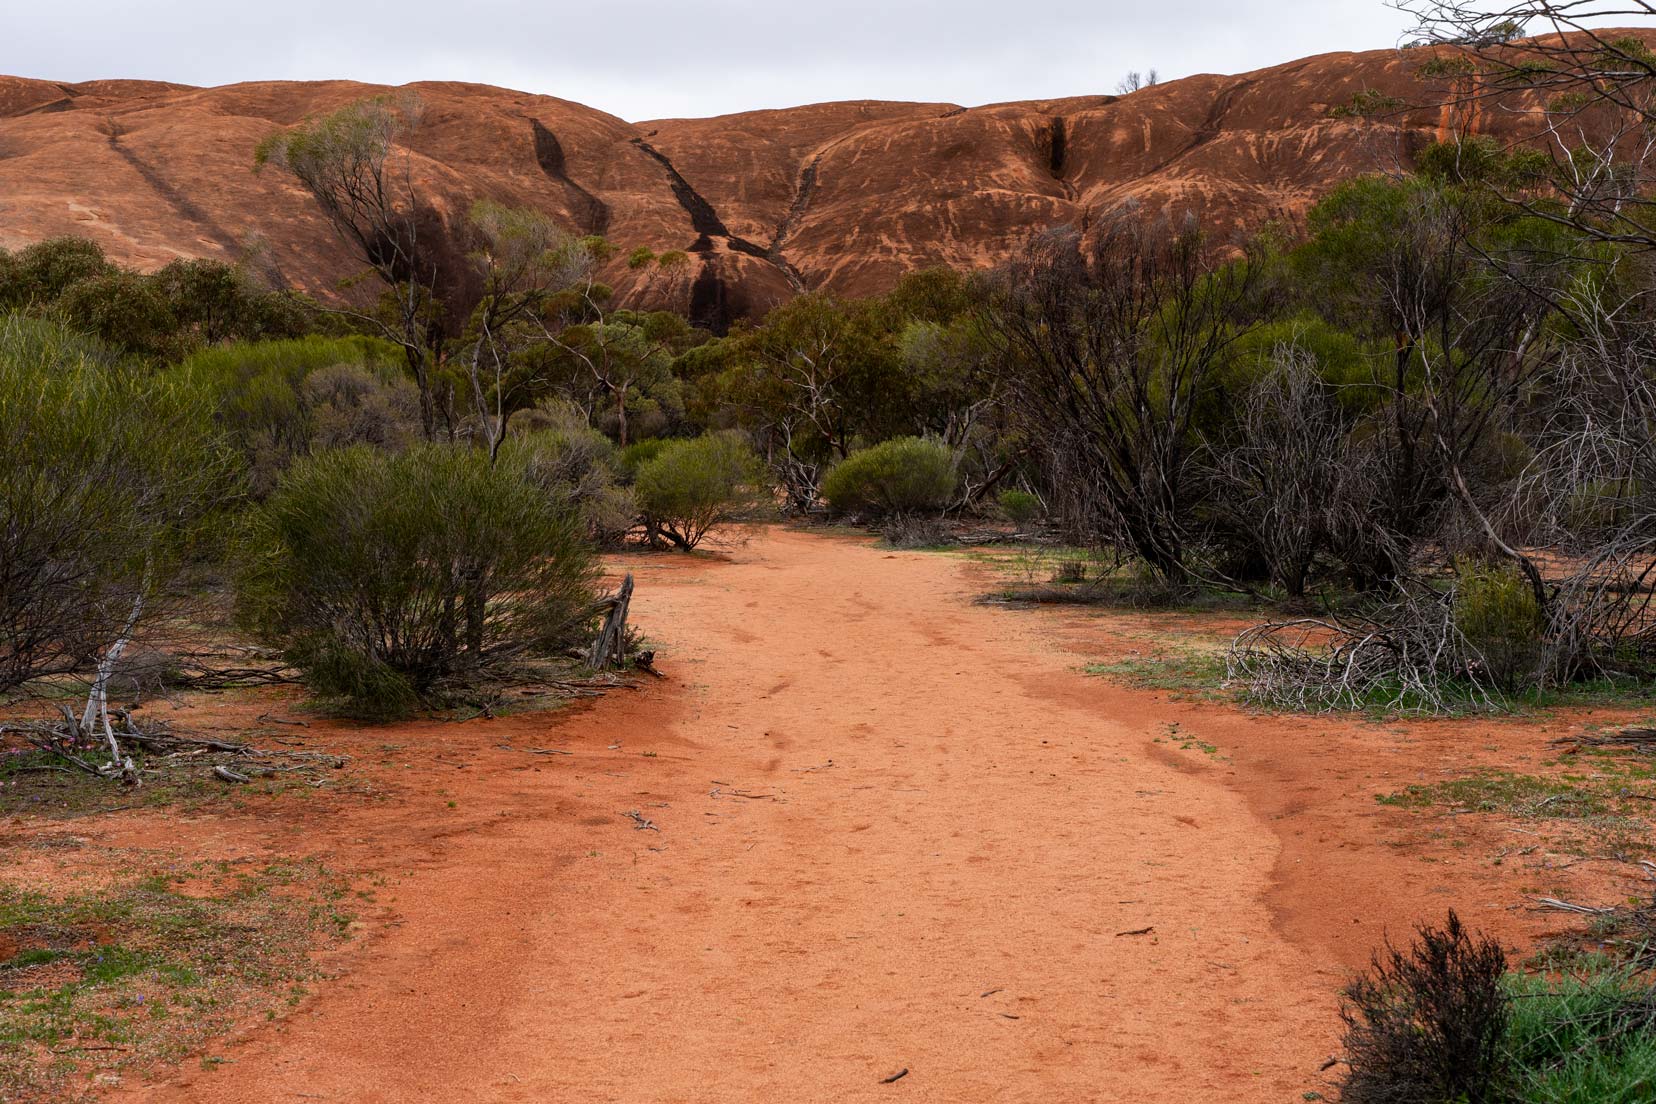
(1110,341)
(1135,80)
(1580,96)
(1286,477)
(1588,494)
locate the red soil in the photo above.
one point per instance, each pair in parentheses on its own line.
(896,831)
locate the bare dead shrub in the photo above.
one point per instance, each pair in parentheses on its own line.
(1427,1024)
(1284,481)
(1405,655)
(915,531)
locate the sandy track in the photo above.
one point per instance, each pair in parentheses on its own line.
(945,897)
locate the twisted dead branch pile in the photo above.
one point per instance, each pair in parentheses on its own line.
(1406,657)
(74,747)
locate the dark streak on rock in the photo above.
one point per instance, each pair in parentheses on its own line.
(705,221)
(176,199)
(592,212)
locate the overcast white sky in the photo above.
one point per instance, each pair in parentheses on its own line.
(643,59)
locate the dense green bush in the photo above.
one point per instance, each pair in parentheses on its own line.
(693,486)
(904,475)
(575,464)
(103,473)
(212,302)
(277,401)
(41,273)
(1019,507)
(123,309)
(185,305)
(386,577)
(630,459)
(1496,611)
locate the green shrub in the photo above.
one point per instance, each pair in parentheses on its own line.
(187,304)
(44,271)
(104,474)
(904,475)
(1496,611)
(386,577)
(214,302)
(575,464)
(693,486)
(630,459)
(1020,507)
(277,401)
(124,309)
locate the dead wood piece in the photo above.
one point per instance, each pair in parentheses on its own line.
(898,1076)
(1629,739)
(641,823)
(611,645)
(1137,931)
(225,774)
(1569,906)
(162,740)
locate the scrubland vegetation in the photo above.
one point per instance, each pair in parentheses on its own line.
(1418,431)
(1420,428)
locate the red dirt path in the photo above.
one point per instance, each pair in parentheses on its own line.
(945,897)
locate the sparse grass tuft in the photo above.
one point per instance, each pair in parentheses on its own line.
(1504,792)
(1183,671)
(147,968)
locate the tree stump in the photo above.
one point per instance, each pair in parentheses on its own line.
(611,646)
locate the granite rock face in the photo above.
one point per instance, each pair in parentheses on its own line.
(842,196)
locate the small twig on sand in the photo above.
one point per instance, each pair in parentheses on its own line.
(1137,931)
(898,1076)
(1567,906)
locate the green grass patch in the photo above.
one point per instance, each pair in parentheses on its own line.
(1184,671)
(1591,812)
(1505,792)
(1584,1038)
(141,971)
